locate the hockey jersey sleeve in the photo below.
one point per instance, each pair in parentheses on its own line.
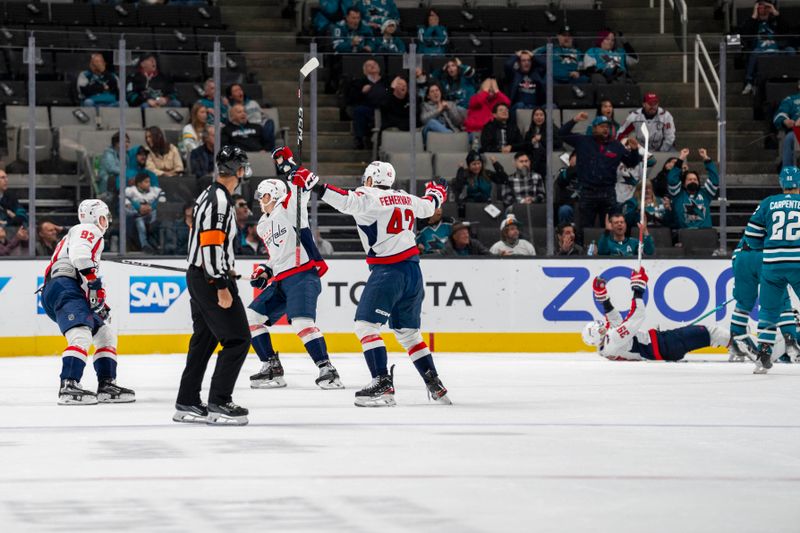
(669,132)
(85,244)
(424,207)
(348,202)
(620,336)
(711,186)
(756,227)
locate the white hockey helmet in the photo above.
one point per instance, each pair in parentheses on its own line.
(94,212)
(274,188)
(382,174)
(593,332)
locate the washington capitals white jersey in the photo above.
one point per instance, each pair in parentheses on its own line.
(277,230)
(623,340)
(79,249)
(386,219)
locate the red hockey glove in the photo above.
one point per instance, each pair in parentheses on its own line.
(436,191)
(304,178)
(599,289)
(260,276)
(284,160)
(639,280)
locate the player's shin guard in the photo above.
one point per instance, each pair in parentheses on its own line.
(312,339)
(260,338)
(411,341)
(75,355)
(373,347)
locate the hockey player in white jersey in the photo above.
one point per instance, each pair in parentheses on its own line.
(385,219)
(74,298)
(287,288)
(624,340)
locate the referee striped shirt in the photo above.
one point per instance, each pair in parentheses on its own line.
(213,234)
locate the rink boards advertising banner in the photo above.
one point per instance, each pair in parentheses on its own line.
(470,305)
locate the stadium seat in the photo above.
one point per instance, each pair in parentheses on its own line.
(777,91)
(352,64)
(627,95)
(181,67)
(254,91)
(166,39)
(475,213)
(94,142)
(661,158)
(474,43)
(776,67)
(55,93)
(398,141)
(193,16)
(44,144)
(591,235)
(106,15)
(69,147)
(159,15)
(662,237)
(699,242)
(98,38)
(281,133)
(177,188)
(402,165)
(72,14)
(206,38)
(17,93)
(445,165)
(48,37)
(139,41)
(509,45)
(19,70)
(569,114)
(16,117)
(262,164)
(19,13)
(564,96)
(533,215)
(447,142)
(161,117)
(188,92)
(16,37)
(506,160)
(109,118)
(71,64)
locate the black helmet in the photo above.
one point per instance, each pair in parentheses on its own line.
(230,159)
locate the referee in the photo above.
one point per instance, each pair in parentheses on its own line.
(217,311)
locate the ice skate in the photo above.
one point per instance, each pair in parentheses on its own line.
(270,376)
(736,352)
(436,390)
(745,346)
(792,348)
(191,414)
(71,393)
(328,377)
(109,392)
(379,393)
(763,359)
(227,414)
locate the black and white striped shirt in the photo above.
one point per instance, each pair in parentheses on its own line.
(213,234)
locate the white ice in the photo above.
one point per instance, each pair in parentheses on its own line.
(535,443)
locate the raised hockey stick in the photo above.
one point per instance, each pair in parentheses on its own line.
(306,69)
(642,222)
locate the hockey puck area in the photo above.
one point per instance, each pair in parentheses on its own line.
(552,442)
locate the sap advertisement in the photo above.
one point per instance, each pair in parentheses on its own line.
(470,296)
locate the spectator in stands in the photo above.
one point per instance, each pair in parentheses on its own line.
(691,202)
(598,157)
(395,108)
(207,101)
(252,244)
(325,247)
(97,87)
(235,95)
(760,31)
(432,238)
(351,35)
(482,106)
(628,177)
(141,203)
(137,164)
(247,136)
(605,107)
(567,61)
(614,241)
(149,87)
(510,242)
(659,181)
(202,158)
(163,158)
(523,186)
(458,82)
(608,64)
(330,12)
(48,237)
(535,141)
(376,12)
(11,212)
(500,136)
(241,216)
(181,229)
(659,123)
(461,243)
(190,136)
(364,96)
(388,43)
(440,115)
(565,237)
(522,87)
(658,210)
(567,191)
(787,119)
(108,167)
(432,38)
(473,183)
(17,245)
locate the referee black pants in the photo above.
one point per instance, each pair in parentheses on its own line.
(211,324)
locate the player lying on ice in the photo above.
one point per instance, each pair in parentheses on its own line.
(624,340)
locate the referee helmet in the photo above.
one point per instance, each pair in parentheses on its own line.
(230,159)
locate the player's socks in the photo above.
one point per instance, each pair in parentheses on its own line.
(739,322)
(374,354)
(422,359)
(262,342)
(105,363)
(73,361)
(315,344)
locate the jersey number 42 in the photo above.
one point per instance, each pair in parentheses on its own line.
(396,222)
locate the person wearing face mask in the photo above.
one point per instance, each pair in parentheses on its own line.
(659,122)
(691,202)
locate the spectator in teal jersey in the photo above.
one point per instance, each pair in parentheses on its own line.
(137,164)
(691,202)
(457,81)
(108,166)
(606,63)
(376,12)
(473,183)
(208,102)
(657,210)
(567,62)
(787,120)
(432,38)
(763,33)
(388,43)
(614,241)
(351,35)
(331,12)
(433,238)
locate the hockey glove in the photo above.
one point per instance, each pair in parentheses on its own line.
(599,289)
(284,160)
(304,179)
(105,312)
(639,281)
(260,277)
(437,191)
(97,295)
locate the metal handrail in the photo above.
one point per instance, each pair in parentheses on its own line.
(683,12)
(700,71)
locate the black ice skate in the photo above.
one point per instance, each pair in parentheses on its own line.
(737,349)
(763,359)
(227,414)
(191,414)
(379,393)
(328,377)
(109,392)
(436,390)
(71,393)
(270,376)
(792,348)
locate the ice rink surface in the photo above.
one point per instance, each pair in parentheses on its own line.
(537,443)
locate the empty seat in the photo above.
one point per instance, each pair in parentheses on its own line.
(93,142)
(107,15)
(73,116)
(399,141)
(13,36)
(20,13)
(591,235)
(203,16)
(254,91)
(506,160)
(16,115)
(188,93)
(159,15)
(50,36)
(166,118)
(447,142)
(533,215)
(13,93)
(281,133)
(43,144)
(109,118)
(475,212)
(175,39)
(474,43)
(662,237)
(699,242)
(423,166)
(93,38)
(206,39)
(564,96)
(139,42)
(69,147)
(524,118)
(620,95)
(446,164)
(72,14)
(71,64)
(19,70)
(181,67)
(55,93)
(262,164)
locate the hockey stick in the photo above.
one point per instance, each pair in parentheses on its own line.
(717,308)
(145,264)
(310,65)
(642,223)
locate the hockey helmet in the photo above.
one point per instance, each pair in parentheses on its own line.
(274,188)
(790,178)
(94,212)
(382,174)
(230,159)
(593,332)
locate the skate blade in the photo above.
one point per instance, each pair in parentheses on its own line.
(122,398)
(276,383)
(760,370)
(737,359)
(330,384)
(444,400)
(384,401)
(188,418)
(69,400)
(217,419)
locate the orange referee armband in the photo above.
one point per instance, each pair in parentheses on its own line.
(212,237)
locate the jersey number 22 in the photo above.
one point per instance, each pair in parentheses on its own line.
(781,231)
